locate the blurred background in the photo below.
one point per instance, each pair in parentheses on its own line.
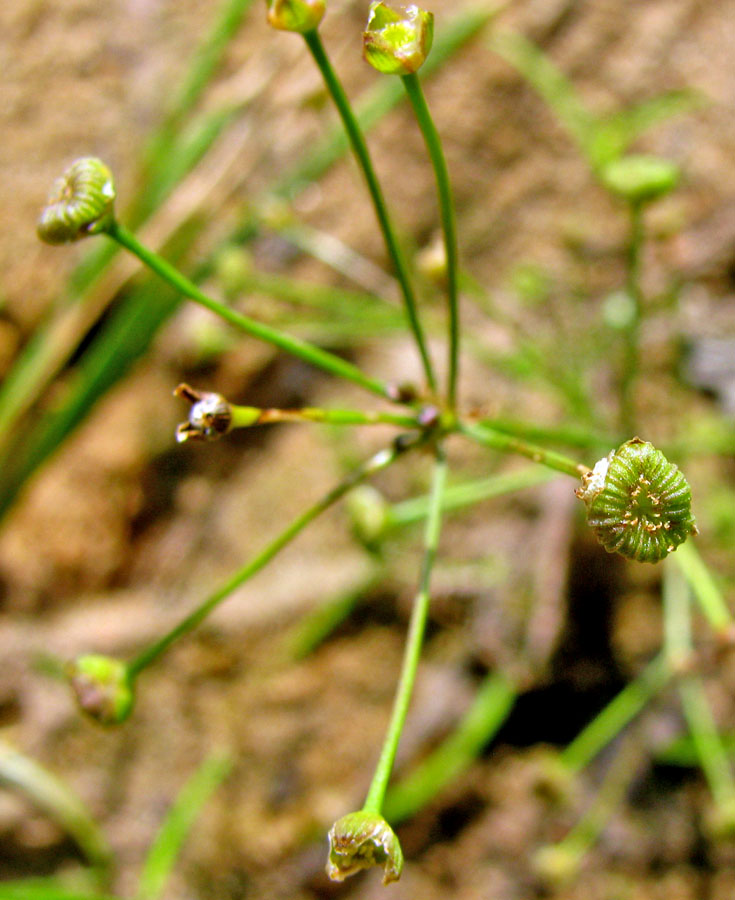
(215,128)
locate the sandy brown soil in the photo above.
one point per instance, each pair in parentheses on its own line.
(123,530)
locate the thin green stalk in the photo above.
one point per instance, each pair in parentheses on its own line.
(414,641)
(491,707)
(632,335)
(704,587)
(624,707)
(379,461)
(458,496)
(56,799)
(708,743)
(247,416)
(179,821)
(307,352)
(561,861)
(415,93)
(709,746)
(488,437)
(359,148)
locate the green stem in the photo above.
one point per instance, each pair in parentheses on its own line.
(414,641)
(624,707)
(704,587)
(449,227)
(459,496)
(489,437)
(708,743)
(301,349)
(379,461)
(631,360)
(247,416)
(360,150)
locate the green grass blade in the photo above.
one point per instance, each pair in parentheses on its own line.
(122,340)
(178,823)
(45,889)
(553,86)
(56,799)
(615,133)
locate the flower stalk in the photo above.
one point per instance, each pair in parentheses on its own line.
(376,463)
(364,161)
(415,93)
(309,353)
(417,627)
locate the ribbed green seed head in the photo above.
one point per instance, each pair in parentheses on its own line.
(638,503)
(638,178)
(81,203)
(102,687)
(300,16)
(396,42)
(361,840)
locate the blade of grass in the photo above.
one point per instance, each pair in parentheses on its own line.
(45,889)
(57,800)
(178,823)
(167,160)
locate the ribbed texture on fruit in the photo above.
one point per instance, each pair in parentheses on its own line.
(80,203)
(642,509)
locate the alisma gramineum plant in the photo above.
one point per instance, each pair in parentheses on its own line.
(638,503)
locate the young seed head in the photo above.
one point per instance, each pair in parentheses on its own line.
(361,840)
(638,503)
(102,687)
(210,415)
(640,179)
(80,203)
(396,42)
(300,16)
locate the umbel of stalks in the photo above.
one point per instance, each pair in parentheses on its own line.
(638,503)
(81,203)
(361,840)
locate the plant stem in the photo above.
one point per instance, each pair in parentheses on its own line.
(704,587)
(708,743)
(631,358)
(459,496)
(301,349)
(489,437)
(247,416)
(360,150)
(415,93)
(414,641)
(379,461)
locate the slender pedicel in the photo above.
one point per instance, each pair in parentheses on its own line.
(379,461)
(362,155)
(397,42)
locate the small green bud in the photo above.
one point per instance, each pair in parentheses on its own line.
(369,513)
(80,203)
(397,42)
(103,688)
(638,503)
(300,16)
(210,415)
(640,179)
(361,840)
